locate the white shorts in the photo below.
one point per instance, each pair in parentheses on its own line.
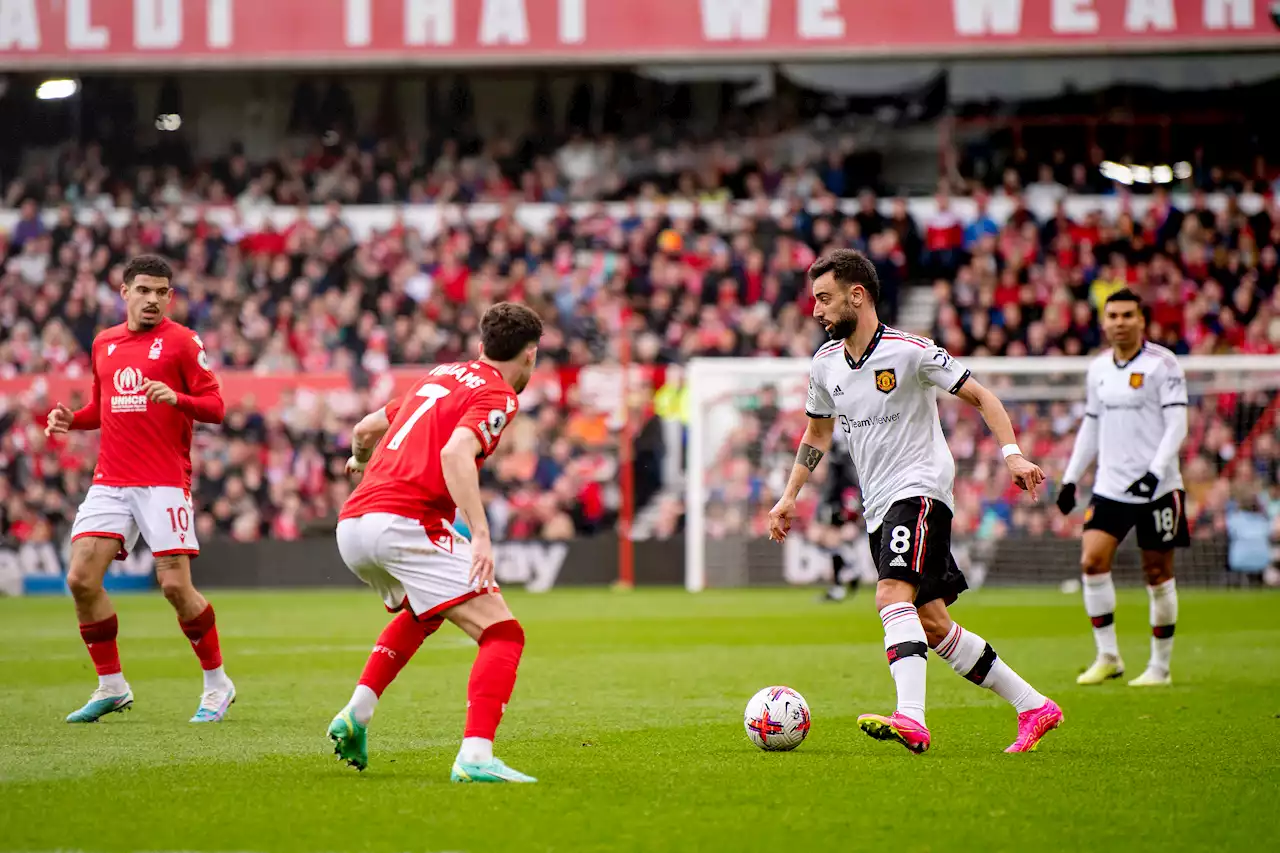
(163,515)
(409,568)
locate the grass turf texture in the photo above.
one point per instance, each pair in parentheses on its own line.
(629,709)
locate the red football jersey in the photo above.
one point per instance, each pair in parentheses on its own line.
(146,443)
(404,476)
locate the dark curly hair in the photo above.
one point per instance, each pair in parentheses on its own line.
(152,265)
(850,267)
(507,328)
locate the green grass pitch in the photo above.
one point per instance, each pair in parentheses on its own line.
(629,709)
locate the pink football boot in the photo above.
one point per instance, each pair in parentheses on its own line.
(1033,725)
(906,731)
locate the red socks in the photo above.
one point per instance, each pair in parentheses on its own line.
(100,639)
(202,631)
(493,677)
(397,643)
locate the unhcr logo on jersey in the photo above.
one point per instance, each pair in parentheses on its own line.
(128,382)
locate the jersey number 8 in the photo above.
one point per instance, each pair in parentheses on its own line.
(900,539)
(432,394)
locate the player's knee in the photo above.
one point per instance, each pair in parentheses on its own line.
(1092,563)
(176,586)
(893,592)
(935,629)
(1156,569)
(83,582)
(509,630)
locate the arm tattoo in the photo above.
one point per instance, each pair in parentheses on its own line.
(808,456)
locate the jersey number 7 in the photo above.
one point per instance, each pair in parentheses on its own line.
(431,394)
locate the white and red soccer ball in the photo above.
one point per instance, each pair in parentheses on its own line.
(777,719)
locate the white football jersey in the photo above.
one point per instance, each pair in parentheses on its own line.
(1130,400)
(886,406)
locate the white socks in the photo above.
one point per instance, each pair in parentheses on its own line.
(476,750)
(905,646)
(215,679)
(972,657)
(1164,614)
(363,703)
(113,684)
(1100,604)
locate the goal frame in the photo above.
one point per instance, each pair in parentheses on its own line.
(699,370)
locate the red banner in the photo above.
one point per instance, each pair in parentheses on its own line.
(212,33)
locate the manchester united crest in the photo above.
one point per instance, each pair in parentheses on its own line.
(1135,380)
(886,381)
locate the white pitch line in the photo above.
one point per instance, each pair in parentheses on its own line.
(251,651)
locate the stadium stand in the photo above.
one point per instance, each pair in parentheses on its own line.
(315,298)
(275,297)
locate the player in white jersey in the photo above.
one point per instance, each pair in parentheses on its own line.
(879,387)
(1134,424)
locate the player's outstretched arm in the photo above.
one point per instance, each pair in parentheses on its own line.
(1025,473)
(365,437)
(814,445)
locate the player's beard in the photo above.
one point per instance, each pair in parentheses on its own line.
(844,329)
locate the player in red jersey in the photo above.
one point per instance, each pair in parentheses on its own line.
(395,534)
(151,381)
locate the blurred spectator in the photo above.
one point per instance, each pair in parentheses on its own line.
(1248,534)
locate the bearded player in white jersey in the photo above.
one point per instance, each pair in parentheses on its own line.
(879,385)
(1134,424)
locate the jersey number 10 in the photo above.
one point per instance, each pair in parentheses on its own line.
(431,394)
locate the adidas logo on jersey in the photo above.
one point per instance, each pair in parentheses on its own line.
(837,392)
(898,561)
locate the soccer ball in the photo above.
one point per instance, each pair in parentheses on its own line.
(777,719)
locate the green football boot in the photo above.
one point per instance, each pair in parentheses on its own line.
(350,739)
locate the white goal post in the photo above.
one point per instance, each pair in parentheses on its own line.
(746,419)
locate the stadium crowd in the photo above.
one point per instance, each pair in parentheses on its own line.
(312,297)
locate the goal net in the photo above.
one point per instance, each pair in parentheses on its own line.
(747,417)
